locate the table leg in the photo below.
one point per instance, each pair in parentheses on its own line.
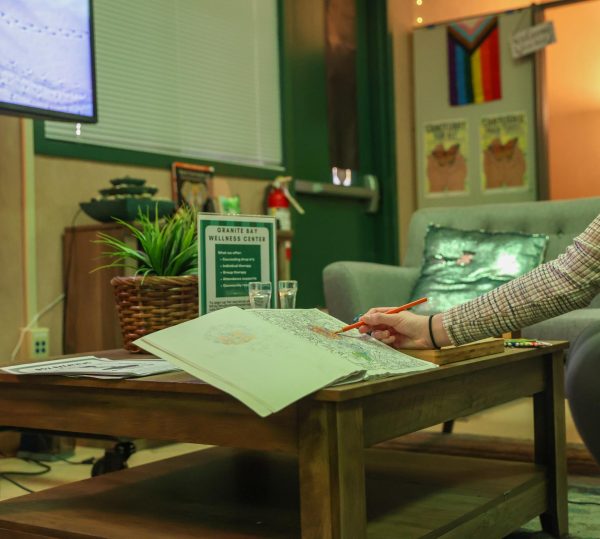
(332,471)
(550,452)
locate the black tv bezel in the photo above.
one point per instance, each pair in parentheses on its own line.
(46,114)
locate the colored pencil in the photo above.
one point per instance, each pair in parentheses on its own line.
(391,311)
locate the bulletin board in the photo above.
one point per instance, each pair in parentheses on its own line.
(475,140)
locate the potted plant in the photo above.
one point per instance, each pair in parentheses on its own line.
(163,291)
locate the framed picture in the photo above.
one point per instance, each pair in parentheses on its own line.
(446,147)
(504,153)
(191,184)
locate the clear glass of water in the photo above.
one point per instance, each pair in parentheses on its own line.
(287,294)
(260,294)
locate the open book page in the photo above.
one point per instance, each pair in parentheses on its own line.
(249,358)
(371,357)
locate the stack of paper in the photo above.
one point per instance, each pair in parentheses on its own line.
(269,359)
(94,367)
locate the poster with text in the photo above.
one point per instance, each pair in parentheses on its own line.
(446,147)
(234,250)
(503,139)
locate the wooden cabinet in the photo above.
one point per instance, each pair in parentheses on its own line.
(91,321)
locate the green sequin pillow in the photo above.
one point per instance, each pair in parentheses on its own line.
(459,265)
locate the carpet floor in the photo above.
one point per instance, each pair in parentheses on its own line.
(584,517)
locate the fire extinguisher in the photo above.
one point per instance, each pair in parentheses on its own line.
(278,200)
(277,203)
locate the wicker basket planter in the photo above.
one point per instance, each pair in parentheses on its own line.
(147,304)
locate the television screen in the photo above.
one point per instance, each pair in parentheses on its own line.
(47,59)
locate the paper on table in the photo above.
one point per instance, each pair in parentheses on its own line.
(93,367)
(269,359)
(372,357)
(248,358)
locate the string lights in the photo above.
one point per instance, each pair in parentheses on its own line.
(419,19)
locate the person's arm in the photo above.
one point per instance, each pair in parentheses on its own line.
(569,282)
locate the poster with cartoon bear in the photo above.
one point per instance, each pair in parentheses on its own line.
(445,157)
(503,143)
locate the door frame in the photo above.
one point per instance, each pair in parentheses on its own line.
(375,109)
(541,99)
(375,52)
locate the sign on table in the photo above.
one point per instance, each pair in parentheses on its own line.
(234,250)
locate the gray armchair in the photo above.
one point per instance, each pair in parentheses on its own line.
(352,288)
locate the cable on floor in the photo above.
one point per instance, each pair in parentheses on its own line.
(90,460)
(583,503)
(45,469)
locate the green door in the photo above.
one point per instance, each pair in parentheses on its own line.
(336,228)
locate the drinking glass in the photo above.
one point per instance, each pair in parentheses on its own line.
(287,294)
(260,294)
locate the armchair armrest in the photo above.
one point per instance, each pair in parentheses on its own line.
(351,288)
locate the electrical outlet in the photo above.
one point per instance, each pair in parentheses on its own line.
(39,343)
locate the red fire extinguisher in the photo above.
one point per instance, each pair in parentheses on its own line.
(278,202)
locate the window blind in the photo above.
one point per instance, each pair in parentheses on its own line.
(189,78)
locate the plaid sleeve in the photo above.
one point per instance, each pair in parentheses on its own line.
(569,282)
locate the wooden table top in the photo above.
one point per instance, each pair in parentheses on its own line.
(182,382)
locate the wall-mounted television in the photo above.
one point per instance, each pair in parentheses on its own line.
(47,59)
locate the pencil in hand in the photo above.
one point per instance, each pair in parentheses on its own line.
(391,311)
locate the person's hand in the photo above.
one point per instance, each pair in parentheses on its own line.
(404,329)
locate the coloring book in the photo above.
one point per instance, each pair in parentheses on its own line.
(271,358)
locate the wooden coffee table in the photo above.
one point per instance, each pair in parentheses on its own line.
(343,489)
